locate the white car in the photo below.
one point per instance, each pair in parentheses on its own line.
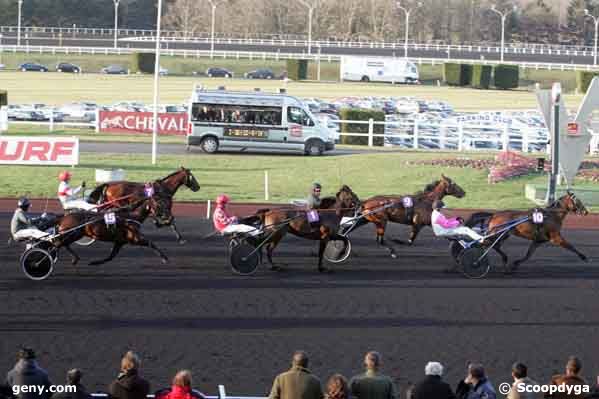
(85,111)
(129,106)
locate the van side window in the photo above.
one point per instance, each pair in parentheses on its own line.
(297,115)
(238,114)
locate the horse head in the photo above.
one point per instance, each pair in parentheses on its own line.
(190,180)
(450,187)
(572,203)
(182,177)
(346,198)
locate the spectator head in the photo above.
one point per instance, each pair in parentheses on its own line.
(130,362)
(476,371)
(433,368)
(25,353)
(573,366)
(74,377)
(182,379)
(337,387)
(519,370)
(300,359)
(372,360)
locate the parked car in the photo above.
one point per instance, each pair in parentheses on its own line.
(114,70)
(2,66)
(79,111)
(129,106)
(32,66)
(68,67)
(262,73)
(162,71)
(217,72)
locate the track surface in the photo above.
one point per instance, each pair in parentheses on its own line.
(194,313)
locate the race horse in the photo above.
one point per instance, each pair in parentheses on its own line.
(414,210)
(281,221)
(123,227)
(547,231)
(122,193)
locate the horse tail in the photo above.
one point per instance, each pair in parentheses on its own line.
(479,218)
(98,195)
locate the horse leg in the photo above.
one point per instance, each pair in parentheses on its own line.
(557,239)
(504,257)
(414,233)
(270,247)
(321,248)
(141,241)
(380,239)
(74,257)
(116,247)
(531,250)
(180,238)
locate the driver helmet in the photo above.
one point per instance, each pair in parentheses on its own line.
(24,203)
(222,200)
(64,176)
(438,204)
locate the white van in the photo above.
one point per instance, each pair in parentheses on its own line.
(255,120)
(379,69)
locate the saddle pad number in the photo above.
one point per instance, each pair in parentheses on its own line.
(149,190)
(110,219)
(313,216)
(407,202)
(538,217)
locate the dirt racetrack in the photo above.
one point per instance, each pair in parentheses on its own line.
(193,313)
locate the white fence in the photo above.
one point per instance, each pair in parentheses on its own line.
(265,55)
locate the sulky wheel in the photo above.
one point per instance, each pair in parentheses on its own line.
(337,250)
(473,264)
(37,263)
(244,259)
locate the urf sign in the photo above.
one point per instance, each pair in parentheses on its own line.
(39,151)
(574,136)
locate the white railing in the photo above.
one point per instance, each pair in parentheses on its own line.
(266,55)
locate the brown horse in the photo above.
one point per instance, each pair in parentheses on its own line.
(390,208)
(125,193)
(125,230)
(548,231)
(295,221)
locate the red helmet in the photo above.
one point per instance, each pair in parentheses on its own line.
(64,175)
(222,199)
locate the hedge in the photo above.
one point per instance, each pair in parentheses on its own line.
(457,74)
(297,69)
(3,98)
(481,76)
(583,80)
(143,62)
(506,76)
(352,114)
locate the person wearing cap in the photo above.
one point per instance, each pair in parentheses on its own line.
(313,201)
(226,223)
(68,195)
(21,225)
(27,372)
(450,227)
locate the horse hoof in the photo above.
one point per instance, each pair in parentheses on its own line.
(586,260)
(164,261)
(394,255)
(274,268)
(182,242)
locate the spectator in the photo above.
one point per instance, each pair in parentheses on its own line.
(595,391)
(433,387)
(520,376)
(181,388)
(27,372)
(337,387)
(571,378)
(78,391)
(476,385)
(129,385)
(372,384)
(298,382)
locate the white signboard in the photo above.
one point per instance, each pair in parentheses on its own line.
(3,119)
(39,150)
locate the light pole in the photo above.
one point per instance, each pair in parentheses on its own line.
(116,22)
(407,23)
(311,7)
(156,85)
(596,21)
(503,16)
(556,92)
(213,3)
(19,24)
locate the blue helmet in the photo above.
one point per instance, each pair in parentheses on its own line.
(23,203)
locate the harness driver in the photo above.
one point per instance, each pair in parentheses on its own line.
(68,196)
(450,227)
(229,224)
(21,225)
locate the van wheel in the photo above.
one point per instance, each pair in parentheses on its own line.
(365,79)
(209,145)
(314,148)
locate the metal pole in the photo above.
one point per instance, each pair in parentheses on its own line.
(310,10)
(19,24)
(405,53)
(556,94)
(596,29)
(502,35)
(156,85)
(212,30)
(116,22)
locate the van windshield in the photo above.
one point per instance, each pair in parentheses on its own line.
(238,114)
